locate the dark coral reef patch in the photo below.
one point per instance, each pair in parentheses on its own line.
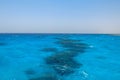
(46,77)
(62,59)
(63,69)
(63,62)
(49,49)
(73,45)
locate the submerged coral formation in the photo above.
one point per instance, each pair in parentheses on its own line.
(62,59)
(63,62)
(49,50)
(63,69)
(46,77)
(73,45)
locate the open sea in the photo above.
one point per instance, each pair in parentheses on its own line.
(59,57)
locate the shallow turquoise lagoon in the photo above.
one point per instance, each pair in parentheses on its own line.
(59,57)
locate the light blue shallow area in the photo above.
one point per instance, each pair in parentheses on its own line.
(21,52)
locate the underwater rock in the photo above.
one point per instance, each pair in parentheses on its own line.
(62,59)
(49,50)
(30,72)
(63,69)
(46,77)
(75,50)
(63,62)
(68,53)
(73,45)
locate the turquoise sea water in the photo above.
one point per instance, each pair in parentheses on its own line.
(59,57)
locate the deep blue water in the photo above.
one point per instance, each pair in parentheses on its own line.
(59,57)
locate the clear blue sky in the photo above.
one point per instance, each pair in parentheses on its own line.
(64,16)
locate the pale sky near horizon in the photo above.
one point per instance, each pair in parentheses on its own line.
(59,16)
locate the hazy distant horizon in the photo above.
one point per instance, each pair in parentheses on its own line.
(60,16)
